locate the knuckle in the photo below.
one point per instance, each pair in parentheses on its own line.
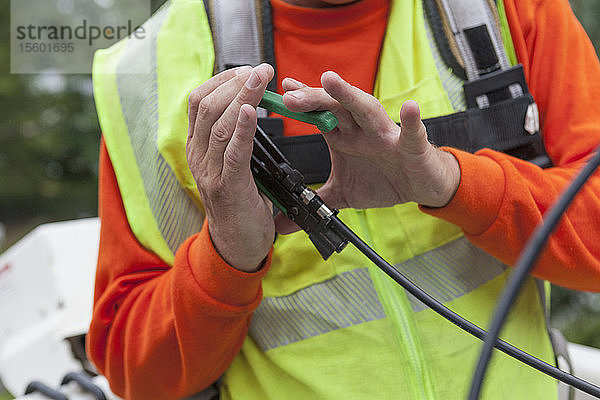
(246,96)
(373,107)
(378,107)
(220,133)
(204,108)
(350,101)
(195,97)
(206,183)
(315,91)
(204,178)
(198,172)
(307,97)
(233,159)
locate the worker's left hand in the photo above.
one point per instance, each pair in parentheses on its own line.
(375,163)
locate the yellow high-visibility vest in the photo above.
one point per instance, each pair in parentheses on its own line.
(339,329)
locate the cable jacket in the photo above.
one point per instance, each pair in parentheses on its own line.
(456,319)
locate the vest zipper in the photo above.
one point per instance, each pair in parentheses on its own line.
(397,309)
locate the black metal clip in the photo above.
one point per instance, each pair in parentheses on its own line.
(285,187)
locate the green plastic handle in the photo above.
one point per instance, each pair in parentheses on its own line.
(324,120)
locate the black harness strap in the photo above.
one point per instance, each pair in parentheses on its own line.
(309,152)
(441,40)
(498,126)
(492,127)
(252,48)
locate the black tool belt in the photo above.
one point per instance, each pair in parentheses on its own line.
(500,126)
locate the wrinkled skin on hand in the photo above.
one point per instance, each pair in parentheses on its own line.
(222,124)
(375,163)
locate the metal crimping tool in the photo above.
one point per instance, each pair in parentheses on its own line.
(284,185)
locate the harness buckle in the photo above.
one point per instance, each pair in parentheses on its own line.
(496,86)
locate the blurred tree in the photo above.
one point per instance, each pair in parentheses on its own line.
(49,140)
(588,12)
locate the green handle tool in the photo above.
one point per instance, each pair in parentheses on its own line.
(325,121)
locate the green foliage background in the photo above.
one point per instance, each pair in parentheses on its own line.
(48,145)
(49,139)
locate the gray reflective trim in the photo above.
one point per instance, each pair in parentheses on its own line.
(345,300)
(447,272)
(450,271)
(176,214)
(453,85)
(464,14)
(236,35)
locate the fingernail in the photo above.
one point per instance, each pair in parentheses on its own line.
(243,69)
(330,73)
(294,82)
(254,81)
(243,116)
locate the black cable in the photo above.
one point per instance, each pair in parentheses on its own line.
(456,319)
(523,267)
(341,231)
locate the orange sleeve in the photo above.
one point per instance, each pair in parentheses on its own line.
(161,332)
(500,199)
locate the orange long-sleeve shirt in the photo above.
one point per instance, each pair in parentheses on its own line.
(162,332)
(501,199)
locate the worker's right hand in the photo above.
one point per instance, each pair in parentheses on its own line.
(222,123)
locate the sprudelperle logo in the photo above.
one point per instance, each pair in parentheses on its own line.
(63,35)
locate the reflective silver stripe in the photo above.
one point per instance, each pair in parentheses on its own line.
(345,300)
(450,271)
(464,14)
(235,26)
(447,272)
(176,214)
(453,85)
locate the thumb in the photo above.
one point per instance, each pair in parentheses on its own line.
(413,135)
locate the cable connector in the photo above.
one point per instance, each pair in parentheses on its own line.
(285,187)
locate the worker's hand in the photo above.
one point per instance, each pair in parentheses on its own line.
(222,123)
(375,163)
